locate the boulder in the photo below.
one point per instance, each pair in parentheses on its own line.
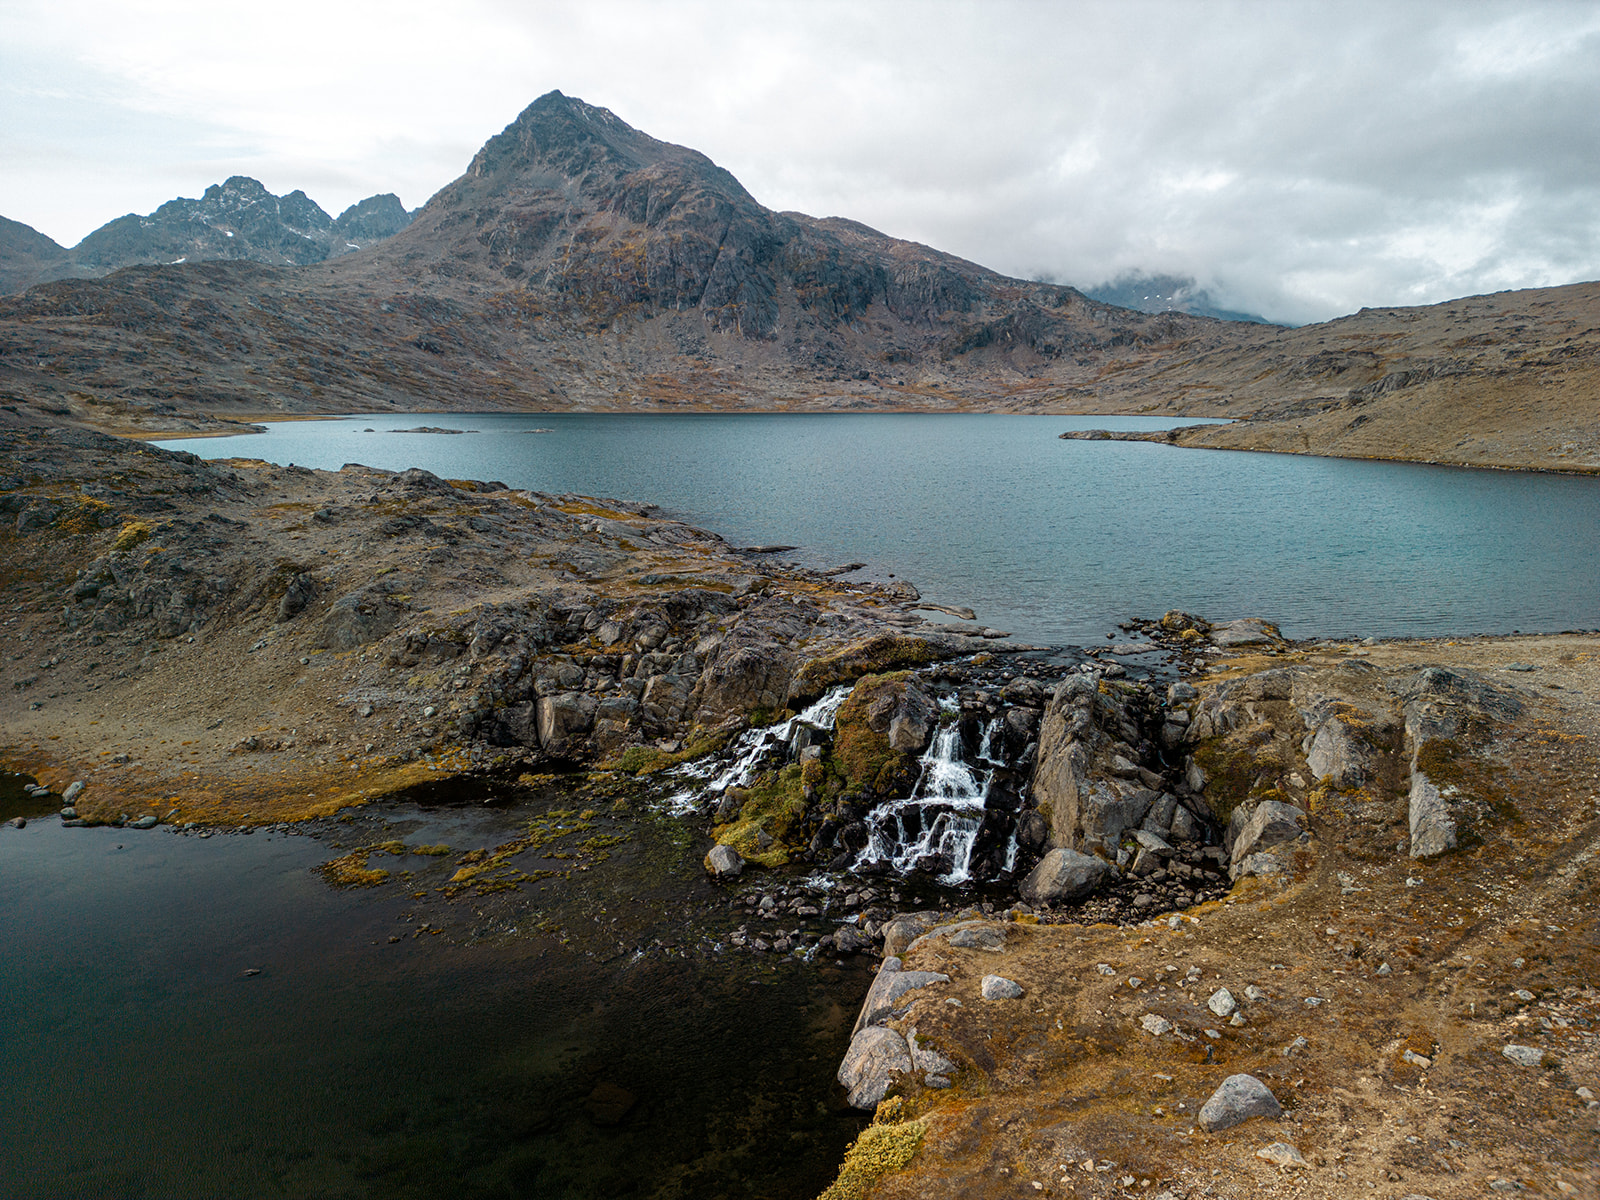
(1249,631)
(1063,876)
(1271,823)
(1433,826)
(564,718)
(966,935)
(876,1056)
(998,987)
(724,862)
(899,933)
(1240,1098)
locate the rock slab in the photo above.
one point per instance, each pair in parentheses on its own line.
(875,1057)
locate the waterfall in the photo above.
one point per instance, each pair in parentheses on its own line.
(740,763)
(938,824)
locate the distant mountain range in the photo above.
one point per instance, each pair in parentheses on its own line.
(238,220)
(581,264)
(1166,293)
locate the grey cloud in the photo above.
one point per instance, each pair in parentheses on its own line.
(1297,160)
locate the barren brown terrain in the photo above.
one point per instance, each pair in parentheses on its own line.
(1405,978)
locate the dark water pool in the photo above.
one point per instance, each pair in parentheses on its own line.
(371,1057)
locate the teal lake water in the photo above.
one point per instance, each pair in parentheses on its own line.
(1054,540)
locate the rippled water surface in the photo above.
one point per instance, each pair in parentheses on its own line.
(1053,540)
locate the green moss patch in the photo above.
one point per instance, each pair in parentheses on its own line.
(776,808)
(871,656)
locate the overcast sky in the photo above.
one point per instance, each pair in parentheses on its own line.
(1300,160)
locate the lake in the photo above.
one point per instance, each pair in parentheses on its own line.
(1054,540)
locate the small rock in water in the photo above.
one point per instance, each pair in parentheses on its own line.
(724,862)
(69,813)
(1240,1098)
(608,1103)
(18,823)
(998,987)
(248,972)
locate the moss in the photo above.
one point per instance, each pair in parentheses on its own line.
(431,851)
(881,1148)
(646,760)
(776,807)
(871,656)
(131,534)
(351,870)
(862,755)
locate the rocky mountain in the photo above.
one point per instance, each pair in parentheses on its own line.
(238,219)
(1166,293)
(26,255)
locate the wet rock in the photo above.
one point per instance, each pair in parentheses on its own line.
(875,1058)
(1240,1098)
(724,862)
(608,1103)
(998,987)
(1063,876)
(18,822)
(847,939)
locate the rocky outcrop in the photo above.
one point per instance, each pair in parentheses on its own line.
(1446,713)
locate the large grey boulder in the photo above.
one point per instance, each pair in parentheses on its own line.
(1271,823)
(1338,755)
(876,1056)
(1063,876)
(1433,826)
(1240,1098)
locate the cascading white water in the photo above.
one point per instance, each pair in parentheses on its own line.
(942,816)
(740,763)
